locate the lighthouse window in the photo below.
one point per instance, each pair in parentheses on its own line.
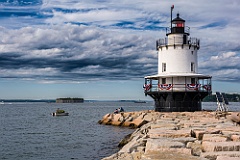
(163,80)
(192,67)
(163,67)
(192,80)
(179,24)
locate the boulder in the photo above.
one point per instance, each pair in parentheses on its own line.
(135,145)
(125,140)
(235,138)
(105,120)
(117,119)
(138,122)
(235,117)
(196,148)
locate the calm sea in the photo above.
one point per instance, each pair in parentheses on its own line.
(29,132)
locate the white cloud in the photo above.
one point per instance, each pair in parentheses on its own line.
(72,53)
(116,35)
(224,56)
(225,66)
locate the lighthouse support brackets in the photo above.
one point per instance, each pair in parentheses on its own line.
(177,101)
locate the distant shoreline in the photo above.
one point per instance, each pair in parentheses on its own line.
(28,100)
(210,98)
(54,100)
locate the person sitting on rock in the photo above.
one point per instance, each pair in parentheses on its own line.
(116,111)
(121,109)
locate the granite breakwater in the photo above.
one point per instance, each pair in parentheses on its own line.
(177,135)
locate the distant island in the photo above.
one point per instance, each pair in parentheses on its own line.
(231,98)
(69,100)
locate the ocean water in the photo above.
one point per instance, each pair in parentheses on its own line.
(29,132)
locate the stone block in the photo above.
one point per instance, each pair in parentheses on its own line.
(159,132)
(184,140)
(138,122)
(196,148)
(227,158)
(198,133)
(220,146)
(187,124)
(126,124)
(124,156)
(168,155)
(215,138)
(134,145)
(214,155)
(164,125)
(232,128)
(106,116)
(116,123)
(173,134)
(116,117)
(166,145)
(161,144)
(149,117)
(105,119)
(235,138)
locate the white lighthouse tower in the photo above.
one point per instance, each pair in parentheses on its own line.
(178,86)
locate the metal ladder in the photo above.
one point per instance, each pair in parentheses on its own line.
(222,103)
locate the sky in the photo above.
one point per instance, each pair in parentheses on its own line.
(103,49)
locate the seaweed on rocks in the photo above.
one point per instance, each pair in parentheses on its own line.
(125,140)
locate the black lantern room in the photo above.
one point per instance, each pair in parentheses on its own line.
(178,26)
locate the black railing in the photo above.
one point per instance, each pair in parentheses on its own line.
(177,88)
(190,41)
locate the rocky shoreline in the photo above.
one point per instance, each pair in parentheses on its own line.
(177,135)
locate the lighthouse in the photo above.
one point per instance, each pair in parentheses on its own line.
(178,86)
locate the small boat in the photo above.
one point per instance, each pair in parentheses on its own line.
(60,112)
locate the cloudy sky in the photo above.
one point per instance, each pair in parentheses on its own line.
(102,49)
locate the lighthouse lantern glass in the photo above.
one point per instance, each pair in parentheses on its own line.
(179,24)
